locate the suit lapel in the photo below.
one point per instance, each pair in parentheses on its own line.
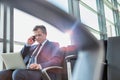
(44,46)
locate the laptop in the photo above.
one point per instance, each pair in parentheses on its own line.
(13,60)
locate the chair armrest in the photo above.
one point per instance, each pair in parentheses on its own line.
(54,69)
(70,57)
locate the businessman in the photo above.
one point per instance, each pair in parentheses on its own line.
(36,57)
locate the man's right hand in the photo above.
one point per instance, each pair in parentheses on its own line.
(30,41)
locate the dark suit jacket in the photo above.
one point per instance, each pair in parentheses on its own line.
(50,55)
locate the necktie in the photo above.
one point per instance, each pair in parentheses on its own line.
(32,59)
(37,50)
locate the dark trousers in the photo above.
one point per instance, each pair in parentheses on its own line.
(20,74)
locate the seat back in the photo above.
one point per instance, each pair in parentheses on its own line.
(113,58)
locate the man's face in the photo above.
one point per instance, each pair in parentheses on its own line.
(39,36)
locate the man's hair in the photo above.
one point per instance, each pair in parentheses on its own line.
(42,27)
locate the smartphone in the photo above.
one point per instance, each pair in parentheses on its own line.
(33,38)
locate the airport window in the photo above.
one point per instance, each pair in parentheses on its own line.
(1,21)
(110,29)
(23,25)
(119,6)
(1,33)
(88,17)
(118,1)
(108,13)
(1,49)
(109,0)
(110,24)
(91,3)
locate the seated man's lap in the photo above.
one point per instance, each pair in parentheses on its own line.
(6,75)
(26,74)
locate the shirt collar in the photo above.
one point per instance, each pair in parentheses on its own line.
(44,42)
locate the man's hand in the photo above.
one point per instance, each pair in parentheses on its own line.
(30,41)
(35,66)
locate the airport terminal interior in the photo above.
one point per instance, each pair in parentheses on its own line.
(99,22)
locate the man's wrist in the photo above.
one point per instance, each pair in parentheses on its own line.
(27,45)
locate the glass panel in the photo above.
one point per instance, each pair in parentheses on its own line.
(1,47)
(118,1)
(91,3)
(1,50)
(110,29)
(109,14)
(88,17)
(59,3)
(23,29)
(109,0)
(1,20)
(1,33)
(119,7)
(17,47)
